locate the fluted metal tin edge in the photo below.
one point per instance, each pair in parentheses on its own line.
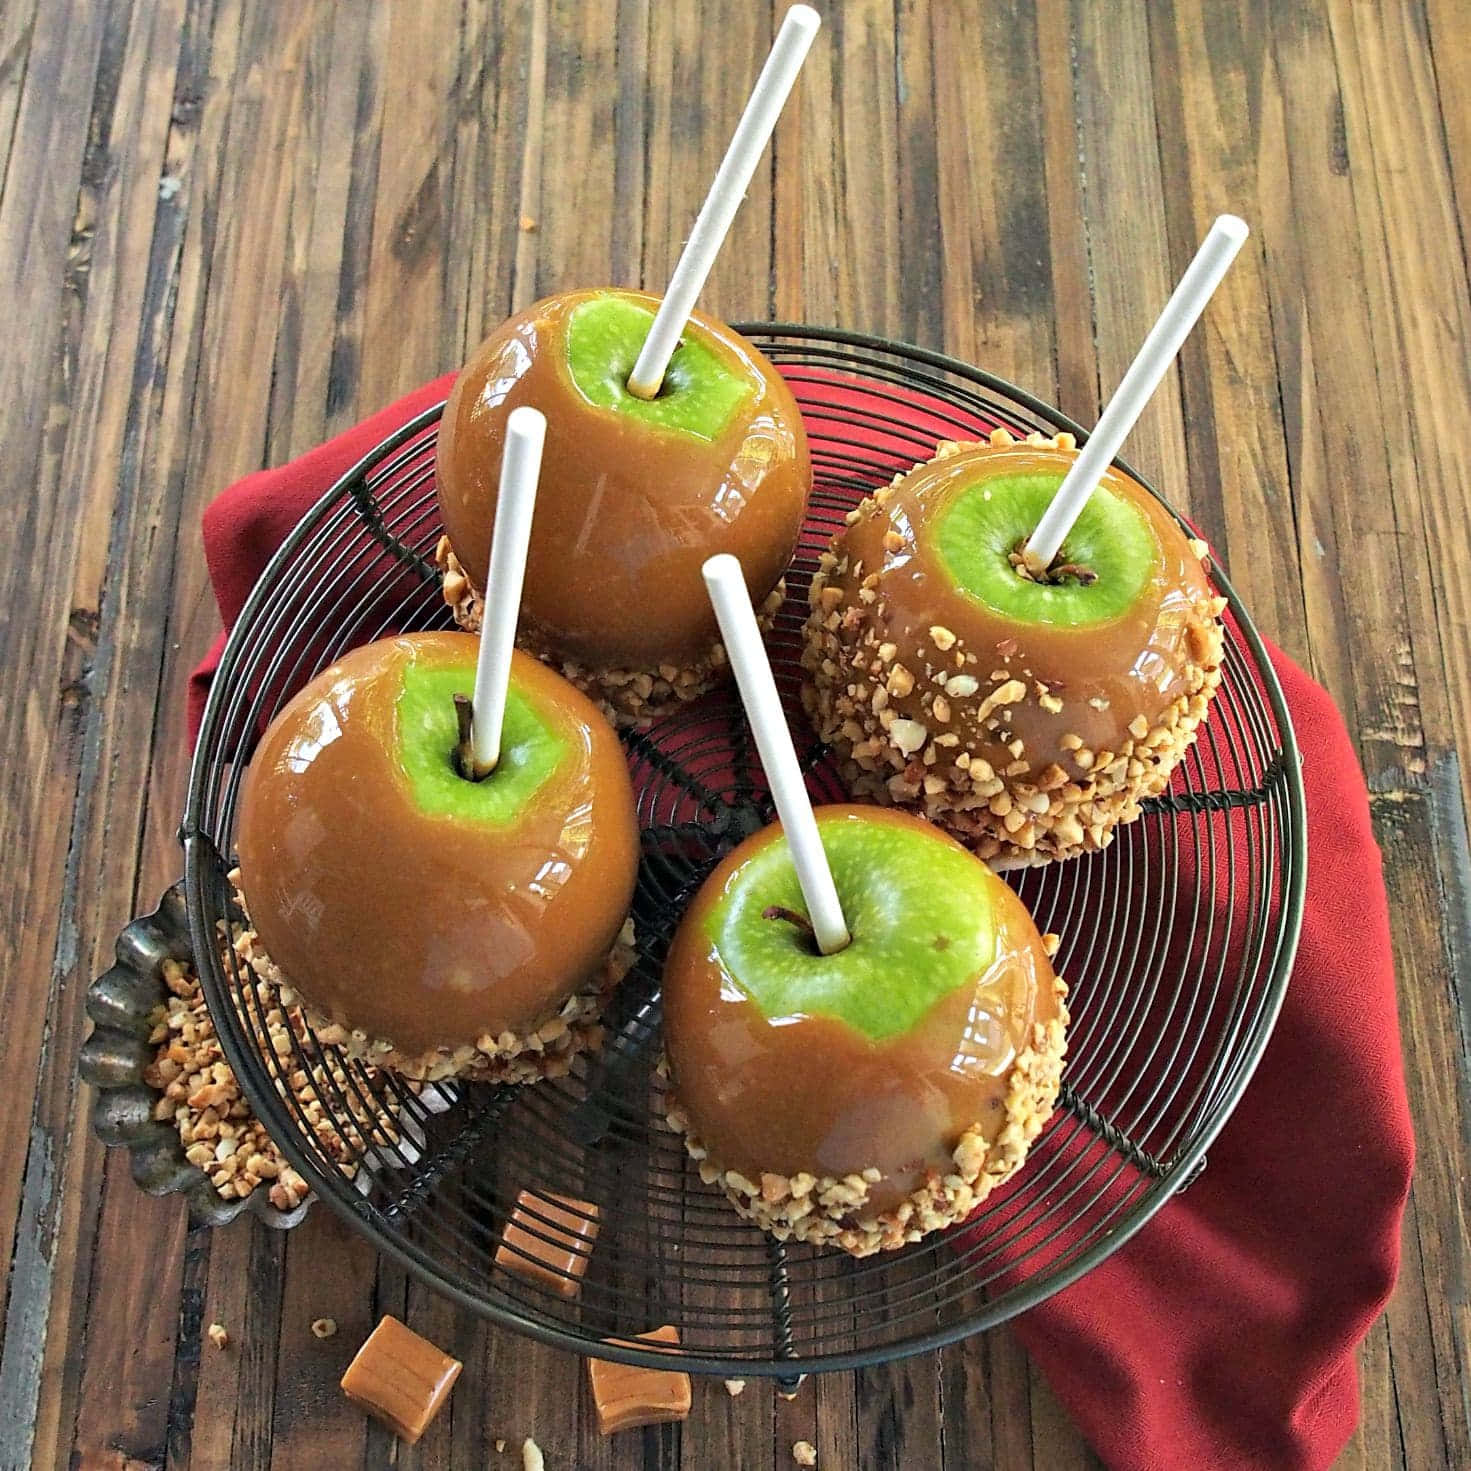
(120,1003)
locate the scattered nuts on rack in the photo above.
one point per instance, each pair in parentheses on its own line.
(217,1335)
(734,1386)
(324,1327)
(804,1453)
(531,1456)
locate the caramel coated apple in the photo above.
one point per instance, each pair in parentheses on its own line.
(864,1098)
(1029,719)
(445,925)
(634,495)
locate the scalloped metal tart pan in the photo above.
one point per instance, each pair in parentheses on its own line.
(121,1002)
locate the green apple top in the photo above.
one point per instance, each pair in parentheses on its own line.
(879,1056)
(1023,675)
(407,902)
(634,494)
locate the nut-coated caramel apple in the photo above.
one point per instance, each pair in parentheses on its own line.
(634,494)
(1029,718)
(863,1098)
(441,926)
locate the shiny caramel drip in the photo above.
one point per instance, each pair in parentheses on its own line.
(431,931)
(626,514)
(811,1094)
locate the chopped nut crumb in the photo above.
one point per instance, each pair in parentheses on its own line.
(527,223)
(324,1327)
(734,1386)
(201,1098)
(217,1335)
(804,1453)
(908,735)
(500,1445)
(531,1456)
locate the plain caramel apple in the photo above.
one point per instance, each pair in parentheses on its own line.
(409,904)
(634,495)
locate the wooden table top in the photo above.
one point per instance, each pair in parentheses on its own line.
(229,228)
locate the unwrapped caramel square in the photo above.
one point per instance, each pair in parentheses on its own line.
(625,1396)
(549,1239)
(401,1379)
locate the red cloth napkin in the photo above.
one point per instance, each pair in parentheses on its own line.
(1224,1334)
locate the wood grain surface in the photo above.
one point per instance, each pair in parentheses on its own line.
(231,227)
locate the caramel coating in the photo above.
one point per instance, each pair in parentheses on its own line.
(626,513)
(430,931)
(1025,739)
(811,1095)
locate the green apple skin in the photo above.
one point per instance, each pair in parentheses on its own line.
(876,1057)
(634,495)
(411,904)
(701,390)
(979,530)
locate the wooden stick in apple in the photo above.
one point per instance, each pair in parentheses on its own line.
(732,603)
(1181,312)
(732,179)
(520,469)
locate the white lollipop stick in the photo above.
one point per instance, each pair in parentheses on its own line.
(1181,312)
(526,430)
(732,179)
(732,603)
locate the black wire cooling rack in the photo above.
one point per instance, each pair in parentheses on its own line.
(1177,941)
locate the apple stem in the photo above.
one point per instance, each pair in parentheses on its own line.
(1085,575)
(465,763)
(1053,575)
(792,917)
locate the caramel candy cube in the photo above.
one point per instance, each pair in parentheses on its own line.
(400,1379)
(625,1396)
(549,1239)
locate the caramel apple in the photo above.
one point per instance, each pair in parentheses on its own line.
(439,925)
(864,1098)
(635,494)
(1029,718)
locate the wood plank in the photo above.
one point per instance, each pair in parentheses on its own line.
(17,23)
(1133,265)
(995,257)
(1451,61)
(1429,1320)
(1076,372)
(690,112)
(119,200)
(1209,72)
(405,337)
(41,721)
(1424,318)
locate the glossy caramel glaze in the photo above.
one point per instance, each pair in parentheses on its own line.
(811,1094)
(1101,678)
(626,514)
(429,931)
